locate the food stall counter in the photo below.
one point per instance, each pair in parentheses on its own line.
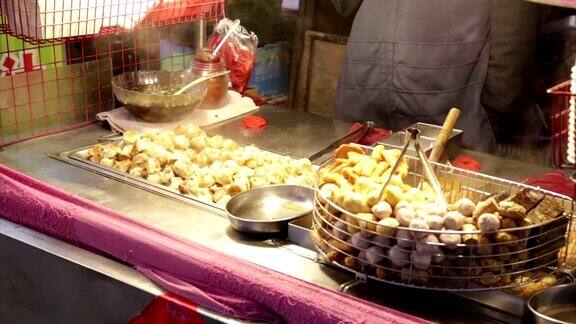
(289,132)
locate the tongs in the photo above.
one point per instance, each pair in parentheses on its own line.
(348,138)
(413,135)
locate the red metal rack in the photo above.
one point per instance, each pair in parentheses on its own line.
(563,125)
(53,84)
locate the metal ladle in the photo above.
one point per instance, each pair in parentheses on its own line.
(413,135)
(200,80)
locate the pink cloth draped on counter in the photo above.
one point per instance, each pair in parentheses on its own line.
(226,284)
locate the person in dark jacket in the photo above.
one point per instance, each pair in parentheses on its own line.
(411,61)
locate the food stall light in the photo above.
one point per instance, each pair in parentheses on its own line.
(571,149)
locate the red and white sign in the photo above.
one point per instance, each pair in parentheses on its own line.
(19,62)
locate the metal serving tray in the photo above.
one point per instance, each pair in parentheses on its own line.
(72,157)
(428,135)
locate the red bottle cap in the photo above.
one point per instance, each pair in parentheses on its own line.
(467,163)
(254,122)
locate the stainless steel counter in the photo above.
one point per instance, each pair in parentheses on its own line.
(289,132)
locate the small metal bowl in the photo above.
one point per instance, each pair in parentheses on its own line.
(556,304)
(269,209)
(148,94)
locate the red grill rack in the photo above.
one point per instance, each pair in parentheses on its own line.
(561,120)
(49,85)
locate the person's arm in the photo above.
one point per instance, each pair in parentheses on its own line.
(514,29)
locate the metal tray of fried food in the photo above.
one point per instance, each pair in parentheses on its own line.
(72,157)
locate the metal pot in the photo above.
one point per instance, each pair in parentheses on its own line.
(554,305)
(269,209)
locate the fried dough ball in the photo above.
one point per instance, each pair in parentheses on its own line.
(189,187)
(465,206)
(122,166)
(139,159)
(223,176)
(258,182)
(361,240)
(450,241)
(181,142)
(488,222)
(382,210)
(404,238)
(164,139)
(339,230)
(387,226)
(166,175)
(366,221)
(428,245)
(152,166)
(144,144)
(96,153)
(126,152)
(130,136)
(137,172)
(205,180)
(454,220)
(374,254)
(421,261)
(405,216)
(185,170)
(398,256)
(189,131)
(434,222)
(418,224)
(107,162)
(198,143)
(154,178)
(355,202)
(229,145)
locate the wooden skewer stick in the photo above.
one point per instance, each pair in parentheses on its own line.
(444,134)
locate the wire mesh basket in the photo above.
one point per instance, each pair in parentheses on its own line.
(41,21)
(56,77)
(563,125)
(476,261)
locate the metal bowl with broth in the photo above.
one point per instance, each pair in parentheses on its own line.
(149,94)
(556,304)
(269,209)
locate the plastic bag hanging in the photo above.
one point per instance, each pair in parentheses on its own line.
(238,52)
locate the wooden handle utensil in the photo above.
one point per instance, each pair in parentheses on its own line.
(444,134)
